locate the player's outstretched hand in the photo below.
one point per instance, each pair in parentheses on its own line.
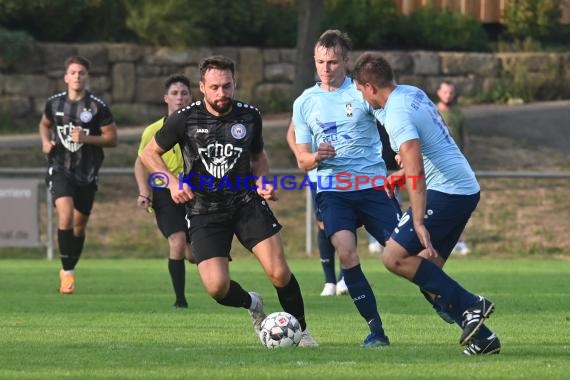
(144,202)
(180,194)
(267,191)
(48,146)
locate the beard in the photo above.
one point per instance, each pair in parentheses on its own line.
(221,108)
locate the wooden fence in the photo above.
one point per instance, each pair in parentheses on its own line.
(487,11)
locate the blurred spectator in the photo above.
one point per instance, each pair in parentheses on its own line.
(451,113)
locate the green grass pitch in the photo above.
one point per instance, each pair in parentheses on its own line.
(121,324)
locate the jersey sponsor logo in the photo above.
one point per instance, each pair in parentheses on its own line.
(64,133)
(218,159)
(329,130)
(86,116)
(202,130)
(59,113)
(238,131)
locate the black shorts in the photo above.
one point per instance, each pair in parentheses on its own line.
(83,195)
(212,234)
(170,216)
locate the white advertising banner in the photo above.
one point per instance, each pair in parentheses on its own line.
(19,213)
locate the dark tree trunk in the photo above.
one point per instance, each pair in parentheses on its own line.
(308,30)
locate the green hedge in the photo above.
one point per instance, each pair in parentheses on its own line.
(182,23)
(434,28)
(372,24)
(68,20)
(535,19)
(369,23)
(13,45)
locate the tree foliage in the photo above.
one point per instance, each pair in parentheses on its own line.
(13,45)
(536,19)
(442,29)
(66,20)
(166,23)
(370,23)
(46,20)
(212,22)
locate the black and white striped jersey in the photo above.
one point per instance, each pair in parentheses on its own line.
(78,161)
(217,151)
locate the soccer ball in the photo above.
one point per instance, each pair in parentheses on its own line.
(280,329)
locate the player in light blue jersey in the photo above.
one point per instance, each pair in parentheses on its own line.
(443,193)
(342,121)
(333,116)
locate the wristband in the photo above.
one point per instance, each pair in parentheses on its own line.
(145,197)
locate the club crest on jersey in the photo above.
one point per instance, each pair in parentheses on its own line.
(238,131)
(86,116)
(348,108)
(219,159)
(64,133)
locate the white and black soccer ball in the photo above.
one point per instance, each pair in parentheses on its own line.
(280,329)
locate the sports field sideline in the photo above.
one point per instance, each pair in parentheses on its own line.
(121,324)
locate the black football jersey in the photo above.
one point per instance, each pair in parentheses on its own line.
(78,161)
(217,151)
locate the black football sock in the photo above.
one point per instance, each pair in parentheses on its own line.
(78,242)
(65,241)
(291,300)
(177,272)
(236,297)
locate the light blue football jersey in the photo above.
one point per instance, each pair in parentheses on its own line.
(345,119)
(409,114)
(312,174)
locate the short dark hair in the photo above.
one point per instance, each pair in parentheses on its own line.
(373,68)
(332,38)
(176,78)
(80,60)
(218,62)
(446,82)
